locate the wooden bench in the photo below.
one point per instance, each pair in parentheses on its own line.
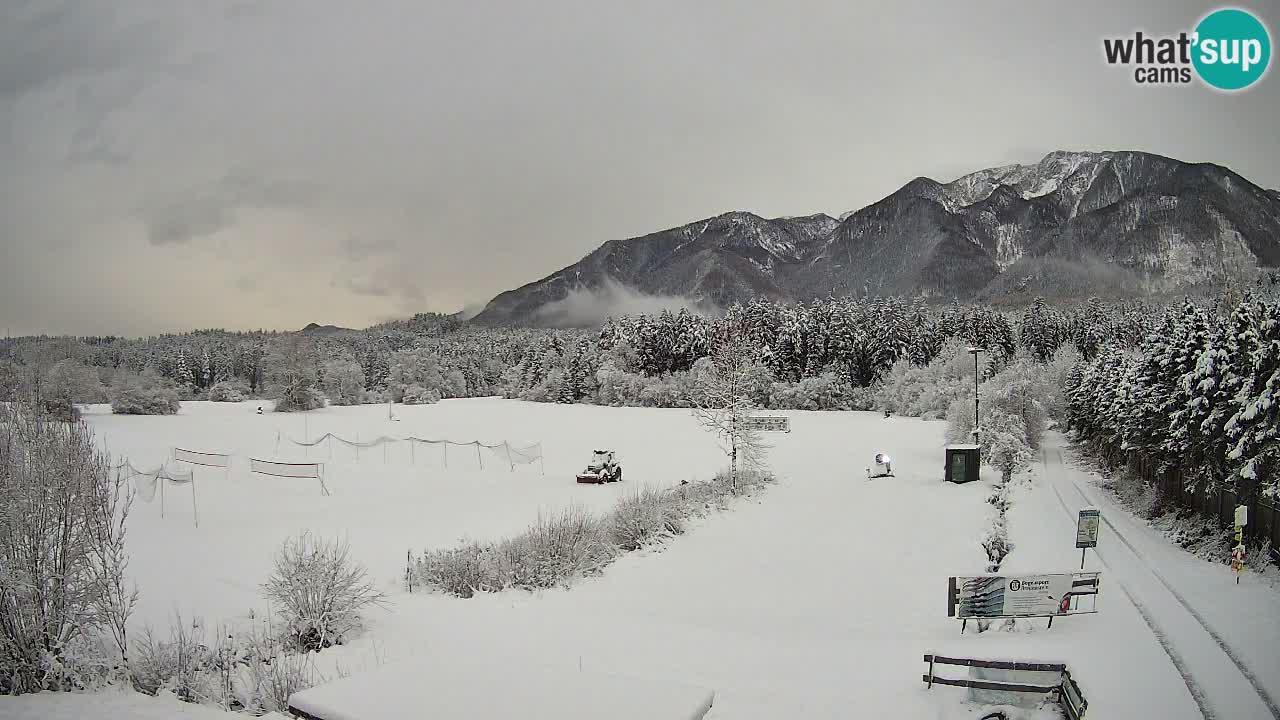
(1067,691)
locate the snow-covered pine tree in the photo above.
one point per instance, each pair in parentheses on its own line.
(1255,427)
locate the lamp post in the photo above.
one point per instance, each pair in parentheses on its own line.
(974,351)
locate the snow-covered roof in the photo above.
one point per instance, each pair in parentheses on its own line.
(963,446)
(445,686)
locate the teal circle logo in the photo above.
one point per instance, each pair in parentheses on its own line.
(1232,49)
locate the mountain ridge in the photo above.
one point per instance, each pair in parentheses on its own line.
(1073,224)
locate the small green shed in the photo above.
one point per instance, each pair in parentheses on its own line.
(962,463)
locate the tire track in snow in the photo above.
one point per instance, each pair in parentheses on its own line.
(1179,663)
(1265,697)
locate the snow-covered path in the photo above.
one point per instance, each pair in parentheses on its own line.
(1223,638)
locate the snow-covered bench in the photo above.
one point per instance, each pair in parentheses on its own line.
(1005,678)
(444,686)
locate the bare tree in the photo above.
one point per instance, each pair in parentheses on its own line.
(722,400)
(62,557)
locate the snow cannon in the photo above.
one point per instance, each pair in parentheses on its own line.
(883,467)
(603,468)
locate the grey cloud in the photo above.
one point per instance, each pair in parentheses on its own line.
(206,210)
(432,154)
(359,248)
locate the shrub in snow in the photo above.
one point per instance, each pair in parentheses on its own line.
(344,382)
(291,374)
(1019,390)
(554,551)
(1004,444)
(827,391)
(422,368)
(175,665)
(418,395)
(642,517)
(144,394)
(320,591)
(561,548)
(245,671)
(63,384)
(229,391)
(928,391)
(377,397)
(62,556)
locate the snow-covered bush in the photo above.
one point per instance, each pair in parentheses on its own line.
(1019,390)
(418,395)
(175,664)
(62,556)
(145,394)
(290,370)
(422,368)
(554,551)
(557,550)
(344,382)
(229,391)
(64,384)
(1003,438)
(644,516)
(928,391)
(618,387)
(1053,380)
(827,391)
(245,671)
(320,591)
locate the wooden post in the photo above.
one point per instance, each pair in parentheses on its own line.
(160,479)
(512,462)
(478,458)
(195,511)
(446,454)
(931,672)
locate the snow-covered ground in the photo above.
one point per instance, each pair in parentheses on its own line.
(817,599)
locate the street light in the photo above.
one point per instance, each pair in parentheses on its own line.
(974,351)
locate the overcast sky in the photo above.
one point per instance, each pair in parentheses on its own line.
(168,165)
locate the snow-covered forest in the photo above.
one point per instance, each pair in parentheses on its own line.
(1187,389)
(815,356)
(1195,398)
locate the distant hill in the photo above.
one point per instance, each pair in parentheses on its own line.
(1073,225)
(315,329)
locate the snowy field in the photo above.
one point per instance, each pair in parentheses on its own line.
(385,500)
(816,599)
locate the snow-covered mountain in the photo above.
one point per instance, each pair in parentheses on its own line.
(1072,225)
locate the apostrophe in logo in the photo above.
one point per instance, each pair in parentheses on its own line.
(1229,49)
(1232,50)
(1015,585)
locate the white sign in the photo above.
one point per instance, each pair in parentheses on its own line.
(1242,515)
(993,596)
(769,423)
(1087,528)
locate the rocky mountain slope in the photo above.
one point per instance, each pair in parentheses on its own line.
(1073,225)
